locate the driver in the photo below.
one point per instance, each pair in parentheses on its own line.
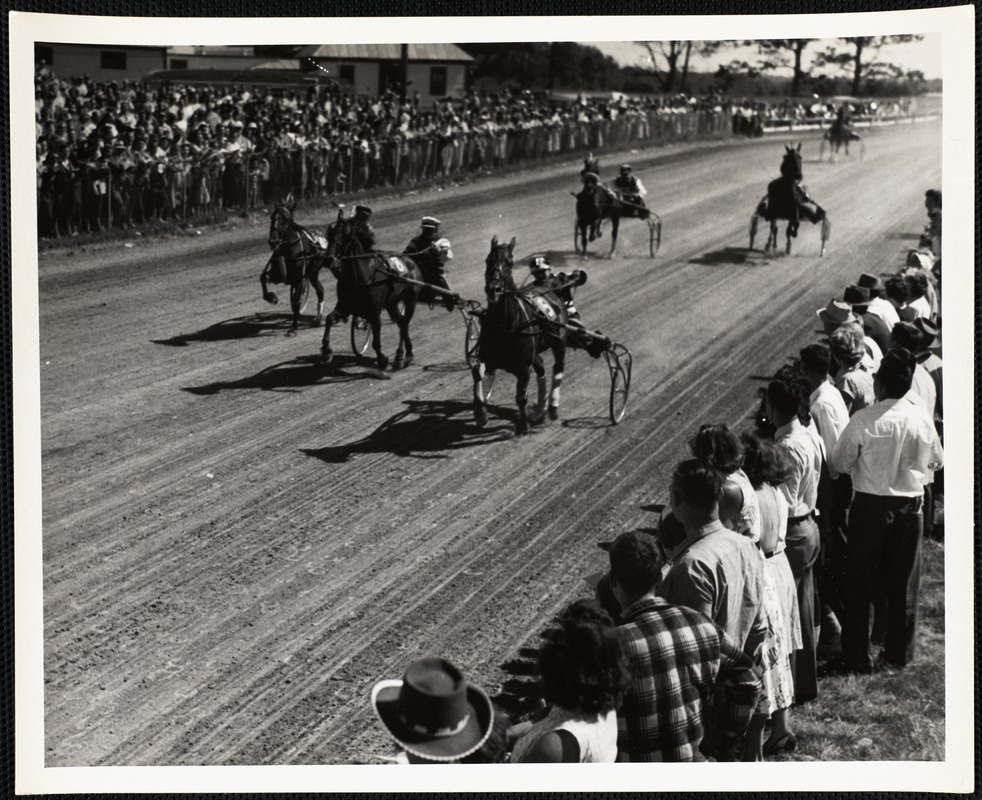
(563,285)
(363,228)
(589,194)
(629,187)
(431,251)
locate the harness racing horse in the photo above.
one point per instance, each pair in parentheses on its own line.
(838,136)
(786,199)
(518,326)
(297,259)
(596,203)
(367,283)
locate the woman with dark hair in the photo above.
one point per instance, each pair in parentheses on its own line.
(583,674)
(766,469)
(719,447)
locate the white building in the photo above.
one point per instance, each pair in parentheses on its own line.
(433,70)
(100,62)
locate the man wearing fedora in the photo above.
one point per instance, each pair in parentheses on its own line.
(434,714)
(878,304)
(891,450)
(875,329)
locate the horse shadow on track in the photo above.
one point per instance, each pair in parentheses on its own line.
(291,376)
(730,256)
(424,429)
(232,329)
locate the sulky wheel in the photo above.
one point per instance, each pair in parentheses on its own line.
(754,220)
(576,237)
(361,334)
(619,361)
(299,295)
(654,233)
(472,339)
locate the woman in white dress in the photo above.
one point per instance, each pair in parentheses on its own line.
(583,674)
(766,469)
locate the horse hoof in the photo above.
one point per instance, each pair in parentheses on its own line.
(316,322)
(553,413)
(480,416)
(327,356)
(522,428)
(382,362)
(291,332)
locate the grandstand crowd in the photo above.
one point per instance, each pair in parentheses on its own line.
(118,154)
(785,553)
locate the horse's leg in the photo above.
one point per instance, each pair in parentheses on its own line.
(521,400)
(268,296)
(315,281)
(558,368)
(404,353)
(771,236)
(615,223)
(296,292)
(376,323)
(788,234)
(326,351)
(542,384)
(480,401)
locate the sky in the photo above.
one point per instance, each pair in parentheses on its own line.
(924,55)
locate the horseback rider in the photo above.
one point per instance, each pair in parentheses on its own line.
(431,252)
(629,188)
(563,285)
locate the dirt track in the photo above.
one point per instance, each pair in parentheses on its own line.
(239,542)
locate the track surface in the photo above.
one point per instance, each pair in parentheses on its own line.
(239,542)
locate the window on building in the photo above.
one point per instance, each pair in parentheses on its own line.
(346,72)
(438,81)
(178,63)
(44,54)
(112,59)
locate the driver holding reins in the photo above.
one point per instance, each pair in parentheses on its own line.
(431,252)
(563,285)
(629,187)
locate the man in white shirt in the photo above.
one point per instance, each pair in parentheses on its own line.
(830,416)
(878,304)
(805,453)
(891,450)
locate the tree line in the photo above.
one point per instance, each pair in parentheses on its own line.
(850,65)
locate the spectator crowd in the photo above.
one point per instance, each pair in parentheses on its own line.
(785,552)
(116,154)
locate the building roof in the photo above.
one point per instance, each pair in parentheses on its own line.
(385,52)
(212,50)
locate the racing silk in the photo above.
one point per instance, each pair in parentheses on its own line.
(629,186)
(429,252)
(563,285)
(366,235)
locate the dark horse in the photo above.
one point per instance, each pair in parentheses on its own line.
(840,133)
(296,260)
(367,283)
(787,199)
(518,326)
(594,204)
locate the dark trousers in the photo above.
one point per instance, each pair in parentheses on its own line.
(834,498)
(884,556)
(802,549)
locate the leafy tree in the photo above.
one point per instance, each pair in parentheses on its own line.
(785,53)
(670,52)
(860,59)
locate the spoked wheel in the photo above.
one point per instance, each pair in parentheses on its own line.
(826,232)
(654,233)
(487,383)
(361,335)
(754,220)
(471,339)
(619,362)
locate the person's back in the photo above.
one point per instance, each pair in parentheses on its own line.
(721,576)
(678,660)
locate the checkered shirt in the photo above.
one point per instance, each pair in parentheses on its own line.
(678,657)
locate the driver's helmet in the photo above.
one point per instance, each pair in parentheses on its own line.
(430,222)
(362,212)
(625,169)
(539,266)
